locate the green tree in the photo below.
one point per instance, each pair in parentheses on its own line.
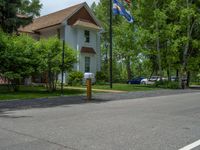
(164,38)
(185,18)
(19,58)
(13,14)
(101,11)
(52,56)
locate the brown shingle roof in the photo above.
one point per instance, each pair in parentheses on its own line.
(50,19)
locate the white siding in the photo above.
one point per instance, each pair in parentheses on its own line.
(62,32)
(98,45)
(75,38)
(71,36)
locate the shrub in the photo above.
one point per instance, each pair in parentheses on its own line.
(101,76)
(75,78)
(167,84)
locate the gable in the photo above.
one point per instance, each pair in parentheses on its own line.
(72,15)
(50,20)
(82,14)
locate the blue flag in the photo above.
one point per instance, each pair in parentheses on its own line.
(118,9)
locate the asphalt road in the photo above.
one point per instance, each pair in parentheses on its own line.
(155,123)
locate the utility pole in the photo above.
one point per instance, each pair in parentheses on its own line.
(111,45)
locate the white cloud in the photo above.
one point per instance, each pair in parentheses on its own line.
(50,6)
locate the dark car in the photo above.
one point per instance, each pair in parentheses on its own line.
(135,80)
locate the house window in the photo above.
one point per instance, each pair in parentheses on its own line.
(87,36)
(87,64)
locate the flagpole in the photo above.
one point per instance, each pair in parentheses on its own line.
(111,45)
(63,57)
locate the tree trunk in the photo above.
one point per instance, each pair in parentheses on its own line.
(169,74)
(188,79)
(15,85)
(153,70)
(49,81)
(54,81)
(158,46)
(185,52)
(177,74)
(128,68)
(158,51)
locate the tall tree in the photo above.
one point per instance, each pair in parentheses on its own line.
(153,17)
(164,36)
(13,14)
(51,50)
(185,18)
(19,58)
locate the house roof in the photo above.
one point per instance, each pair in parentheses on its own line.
(86,24)
(51,19)
(88,50)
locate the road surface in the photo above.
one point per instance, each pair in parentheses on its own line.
(167,122)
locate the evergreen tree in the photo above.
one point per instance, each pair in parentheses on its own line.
(14,13)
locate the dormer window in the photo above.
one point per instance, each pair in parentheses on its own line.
(87,36)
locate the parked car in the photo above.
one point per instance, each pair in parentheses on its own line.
(151,80)
(174,78)
(135,80)
(144,81)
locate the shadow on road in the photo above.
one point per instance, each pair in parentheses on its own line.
(9,115)
(6,106)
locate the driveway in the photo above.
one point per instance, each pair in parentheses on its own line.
(155,122)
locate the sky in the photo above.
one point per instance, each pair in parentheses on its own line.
(50,6)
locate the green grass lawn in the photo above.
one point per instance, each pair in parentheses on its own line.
(30,92)
(126,87)
(122,87)
(195,83)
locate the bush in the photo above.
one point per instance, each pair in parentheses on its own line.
(75,78)
(167,84)
(101,76)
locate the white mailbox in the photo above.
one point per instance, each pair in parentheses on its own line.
(88,75)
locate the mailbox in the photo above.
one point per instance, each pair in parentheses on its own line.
(88,75)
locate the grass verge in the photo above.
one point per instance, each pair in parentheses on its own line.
(123,87)
(30,92)
(126,87)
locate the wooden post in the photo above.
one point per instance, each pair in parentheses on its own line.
(89,89)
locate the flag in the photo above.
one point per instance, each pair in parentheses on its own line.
(118,9)
(128,2)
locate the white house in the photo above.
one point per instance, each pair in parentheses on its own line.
(78,26)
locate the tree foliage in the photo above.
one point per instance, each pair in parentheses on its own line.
(18,57)
(21,57)
(52,50)
(163,40)
(14,14)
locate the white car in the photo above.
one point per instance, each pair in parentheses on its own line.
(147,81)
(151,80)
(144,81)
